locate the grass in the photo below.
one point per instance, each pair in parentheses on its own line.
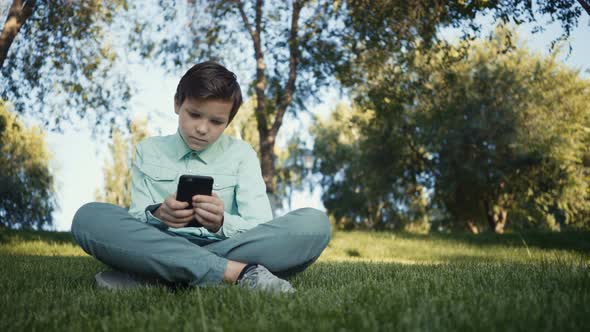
(363,281)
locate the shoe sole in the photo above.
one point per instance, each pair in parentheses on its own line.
(102,280)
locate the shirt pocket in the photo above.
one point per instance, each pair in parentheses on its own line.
(160,181)
(225,187)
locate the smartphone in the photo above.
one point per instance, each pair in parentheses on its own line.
(191,185)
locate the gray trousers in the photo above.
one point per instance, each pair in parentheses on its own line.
(285,245)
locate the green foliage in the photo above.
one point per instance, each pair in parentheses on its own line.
(243,125)
(216,31)
(61,65)
(361,186)
(378,32)
(117,172)
(27,196)
(463,134)
(515,140)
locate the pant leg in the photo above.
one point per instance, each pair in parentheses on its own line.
(110,234)
(285,245)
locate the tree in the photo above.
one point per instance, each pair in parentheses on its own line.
(514,141)
(289,161)
(344,177)
(57,62)
(27,196)
(117,172)
(487,132)
(362,186)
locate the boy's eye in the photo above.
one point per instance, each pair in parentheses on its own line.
(196,115)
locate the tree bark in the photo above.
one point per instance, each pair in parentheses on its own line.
(18,14)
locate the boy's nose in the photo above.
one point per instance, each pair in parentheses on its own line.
(202,129)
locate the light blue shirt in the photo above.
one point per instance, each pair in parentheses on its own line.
(233,164)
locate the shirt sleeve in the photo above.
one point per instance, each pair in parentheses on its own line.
(251,198)
(142,203)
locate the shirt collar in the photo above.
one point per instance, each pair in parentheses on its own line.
(182,149)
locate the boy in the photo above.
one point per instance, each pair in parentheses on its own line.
(239,241)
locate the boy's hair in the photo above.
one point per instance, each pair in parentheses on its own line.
(210,81)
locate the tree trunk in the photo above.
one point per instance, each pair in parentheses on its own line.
(501,218)
(472,227)
(18,14)
(496,220)
(264,134)
(267,135)
(267,161)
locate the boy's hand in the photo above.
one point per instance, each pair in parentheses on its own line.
(174,213)
(209,211)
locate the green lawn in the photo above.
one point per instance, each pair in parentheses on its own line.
(362,282)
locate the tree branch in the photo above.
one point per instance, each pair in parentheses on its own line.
(18,14)
(245,19)
(293,60)
(586,5)
(260,86)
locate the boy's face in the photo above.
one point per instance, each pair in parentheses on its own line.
(201,122)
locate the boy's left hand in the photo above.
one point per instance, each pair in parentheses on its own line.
(209,211)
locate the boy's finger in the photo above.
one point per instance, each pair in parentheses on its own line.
(207,223)
(213,208)
(185,219)
(201,219)
(200,204)
(178,205)
(182,214)
(205,214)
(178,222)
(203,198)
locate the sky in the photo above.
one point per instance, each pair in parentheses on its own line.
(78,161)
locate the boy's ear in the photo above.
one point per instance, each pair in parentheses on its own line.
(176,107)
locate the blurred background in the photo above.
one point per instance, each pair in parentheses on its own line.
(420,116)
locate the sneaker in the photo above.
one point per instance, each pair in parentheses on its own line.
(260,278)
(116,280)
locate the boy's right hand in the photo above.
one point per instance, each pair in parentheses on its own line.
(174,213)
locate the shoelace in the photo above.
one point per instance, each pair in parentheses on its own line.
(251,278)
